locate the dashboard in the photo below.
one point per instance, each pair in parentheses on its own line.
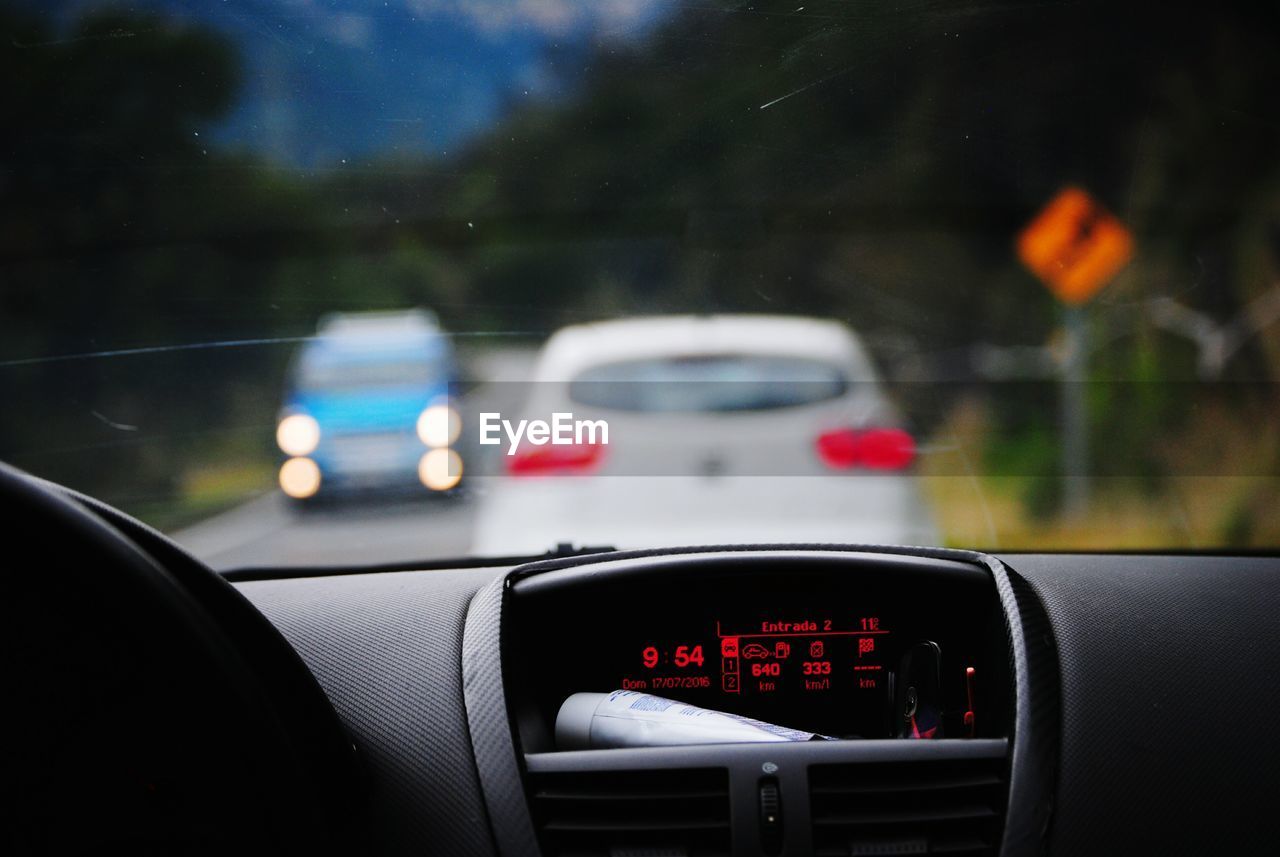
(951,701)
(1146,754)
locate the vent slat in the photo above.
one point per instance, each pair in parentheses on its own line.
(635,825)
(899,816)
(958,847)
(941,784)
(607,794)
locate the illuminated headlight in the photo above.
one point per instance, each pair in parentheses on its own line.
(298,434)
(300,478)
(440,469)
(439,425)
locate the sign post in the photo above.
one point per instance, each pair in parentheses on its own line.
(1075,247)
(1075,415)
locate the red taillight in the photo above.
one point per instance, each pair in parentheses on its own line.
(552,459)
(874,449)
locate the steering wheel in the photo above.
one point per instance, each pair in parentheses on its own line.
(153,710)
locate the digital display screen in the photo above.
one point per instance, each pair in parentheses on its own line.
(833,666)
(850,656)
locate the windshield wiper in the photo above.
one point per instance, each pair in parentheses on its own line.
(562,550)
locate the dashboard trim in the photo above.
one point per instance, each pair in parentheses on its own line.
(492,740)
(794,753)
(1034,740)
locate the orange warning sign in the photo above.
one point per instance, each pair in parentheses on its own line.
(1075,246)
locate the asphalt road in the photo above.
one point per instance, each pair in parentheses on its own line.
(268,531)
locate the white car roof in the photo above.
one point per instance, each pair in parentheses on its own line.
(574,349)
(373,324)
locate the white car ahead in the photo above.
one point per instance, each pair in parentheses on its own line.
(720,429)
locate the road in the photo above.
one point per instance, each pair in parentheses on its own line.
(267,531)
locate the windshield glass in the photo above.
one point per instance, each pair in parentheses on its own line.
(359,372)
(357,282)
(708,383)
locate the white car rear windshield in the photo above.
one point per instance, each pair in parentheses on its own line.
(708,383)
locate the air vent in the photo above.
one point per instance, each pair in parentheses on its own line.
(671,813)
(895,808)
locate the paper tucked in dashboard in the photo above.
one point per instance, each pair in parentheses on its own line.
(626,718)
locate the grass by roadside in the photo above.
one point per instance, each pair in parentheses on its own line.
(207,489)
(1234,509)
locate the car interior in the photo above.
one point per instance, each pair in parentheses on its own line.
(640,428)
(390,711)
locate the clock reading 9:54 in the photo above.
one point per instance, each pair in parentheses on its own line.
(681,657)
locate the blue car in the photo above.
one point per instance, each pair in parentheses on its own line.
(367,407)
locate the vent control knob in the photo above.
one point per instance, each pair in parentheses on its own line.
(770,816)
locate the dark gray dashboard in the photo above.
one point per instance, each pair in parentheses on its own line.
(1168,675)
(386,648)
(1165,676)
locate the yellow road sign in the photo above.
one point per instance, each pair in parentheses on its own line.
(1075,246)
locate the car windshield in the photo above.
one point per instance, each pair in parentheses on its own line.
(361,371)
(355,282)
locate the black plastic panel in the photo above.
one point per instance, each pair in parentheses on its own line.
(1169,694)
(387,650)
